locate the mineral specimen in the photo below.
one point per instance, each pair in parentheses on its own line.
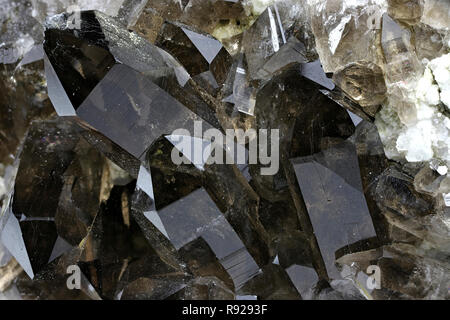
(225,149)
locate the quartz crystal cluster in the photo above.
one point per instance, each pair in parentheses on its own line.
(350,97)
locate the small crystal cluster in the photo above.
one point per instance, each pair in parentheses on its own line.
(426,136)
(95,93)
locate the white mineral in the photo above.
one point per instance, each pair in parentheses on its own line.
(428,137)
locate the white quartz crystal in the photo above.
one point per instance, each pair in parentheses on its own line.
(428,136)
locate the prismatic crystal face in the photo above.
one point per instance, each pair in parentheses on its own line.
(227,149)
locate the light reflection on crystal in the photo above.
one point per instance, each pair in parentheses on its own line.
(332,190)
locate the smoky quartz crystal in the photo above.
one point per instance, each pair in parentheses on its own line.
(225,149)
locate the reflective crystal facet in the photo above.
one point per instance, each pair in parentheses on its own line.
(332,190)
